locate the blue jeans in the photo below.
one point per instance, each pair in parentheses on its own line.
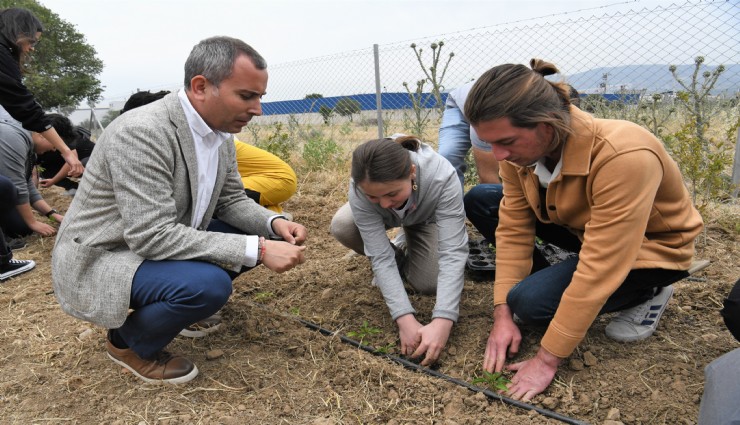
(536,298)
(169,295)
(454,140)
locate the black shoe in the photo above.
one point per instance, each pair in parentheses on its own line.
(15,267)
(16,244)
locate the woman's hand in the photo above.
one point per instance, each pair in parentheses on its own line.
(408,330)
(432,340)
(75,166)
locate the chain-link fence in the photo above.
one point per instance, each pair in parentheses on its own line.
(624,55)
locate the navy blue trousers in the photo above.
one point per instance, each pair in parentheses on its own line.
(167,296)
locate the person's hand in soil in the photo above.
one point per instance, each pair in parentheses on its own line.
(282,256)
(503,340)
(533,375)
(408,328)
(432,339)
(291,232)
(42,229)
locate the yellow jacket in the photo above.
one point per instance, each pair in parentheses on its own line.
(623,196)
(266,174)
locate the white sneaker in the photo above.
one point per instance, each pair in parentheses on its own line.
(70,192)
(15,267)
(203,328)
(640,321)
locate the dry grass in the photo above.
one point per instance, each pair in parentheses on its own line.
(274,370)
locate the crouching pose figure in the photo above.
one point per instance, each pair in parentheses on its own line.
(405,183)
(139,251)
(606,189)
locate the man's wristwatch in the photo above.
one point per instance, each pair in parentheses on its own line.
(53,211)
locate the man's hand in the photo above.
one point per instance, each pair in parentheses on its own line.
(46,183)
(42,229)
(293,233)
(282,256)
(504,339)
(533,375)
(408,328)
(432,339)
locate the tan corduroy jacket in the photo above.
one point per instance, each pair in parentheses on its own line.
(623,196)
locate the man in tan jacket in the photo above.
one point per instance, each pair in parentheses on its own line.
(605,189)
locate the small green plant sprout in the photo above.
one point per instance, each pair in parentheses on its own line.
(495,381)
(385,349)
(364,332)
(261,296)
(295,311)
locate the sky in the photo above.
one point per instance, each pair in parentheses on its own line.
(144,43)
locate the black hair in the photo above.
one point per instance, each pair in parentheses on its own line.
(142,98)
(17,23)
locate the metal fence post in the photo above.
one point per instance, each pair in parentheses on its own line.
(736,168)
(378,94)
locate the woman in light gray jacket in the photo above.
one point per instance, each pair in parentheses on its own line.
(405,183)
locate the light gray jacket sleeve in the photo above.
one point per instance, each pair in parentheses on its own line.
(382,257)
(453,249)
(15,148)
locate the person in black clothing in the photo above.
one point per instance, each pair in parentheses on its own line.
(20,31)
(53,170)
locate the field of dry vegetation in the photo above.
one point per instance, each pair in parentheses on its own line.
(267,366)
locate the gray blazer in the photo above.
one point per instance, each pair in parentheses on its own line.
(135,202)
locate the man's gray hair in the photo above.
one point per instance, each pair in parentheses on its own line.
(214,59)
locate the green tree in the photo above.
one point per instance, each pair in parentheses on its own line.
(347,107)
(64,69)
(326,113)
(314,96)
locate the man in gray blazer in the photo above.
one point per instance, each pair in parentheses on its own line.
(139,251)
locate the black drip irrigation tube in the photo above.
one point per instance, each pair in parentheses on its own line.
(416,367)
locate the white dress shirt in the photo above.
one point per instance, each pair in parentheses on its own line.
(207,143)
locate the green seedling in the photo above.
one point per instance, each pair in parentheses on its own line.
(261,296)
(295,311)
(365,331)
(386,349)
(495,381)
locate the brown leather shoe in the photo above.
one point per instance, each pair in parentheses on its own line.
(203,328)
(166,367)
